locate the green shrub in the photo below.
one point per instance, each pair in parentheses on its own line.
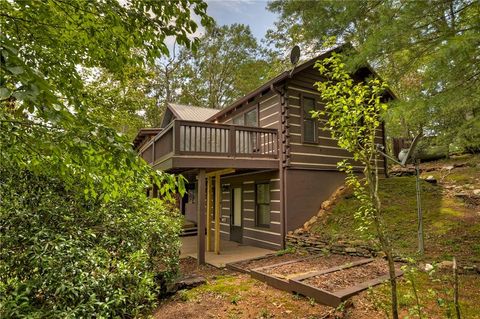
(64,256)
(469,136)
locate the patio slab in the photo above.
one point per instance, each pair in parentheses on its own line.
(230,252)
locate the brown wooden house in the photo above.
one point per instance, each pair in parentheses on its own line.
(267,165)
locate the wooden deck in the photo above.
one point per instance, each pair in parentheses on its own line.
(188,144)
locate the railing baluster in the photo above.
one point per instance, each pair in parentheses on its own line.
(224,141)
(187,132)
(225,137)
(200,139)
(268,143)
(215,139)
(185,138)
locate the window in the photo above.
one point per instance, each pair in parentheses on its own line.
(239,120)
(309,125)
(249,118)
(263,204)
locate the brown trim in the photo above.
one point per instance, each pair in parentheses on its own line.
(302,118)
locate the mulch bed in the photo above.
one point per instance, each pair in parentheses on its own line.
(309,265)
(349,277)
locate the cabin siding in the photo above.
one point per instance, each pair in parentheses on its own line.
(266,237)
(325,154)
(268,111)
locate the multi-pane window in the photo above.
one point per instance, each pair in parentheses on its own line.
(263,204)
(309,125)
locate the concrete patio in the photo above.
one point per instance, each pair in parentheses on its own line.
(229,252)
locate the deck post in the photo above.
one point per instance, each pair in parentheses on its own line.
(201,218)
(217,213)
(209,212)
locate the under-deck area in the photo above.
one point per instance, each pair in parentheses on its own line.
(230,252)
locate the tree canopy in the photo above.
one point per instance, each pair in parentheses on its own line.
(227,65)
(80,237)
(46,114)
(428,52)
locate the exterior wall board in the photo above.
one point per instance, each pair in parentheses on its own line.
(324,154)
(267,237)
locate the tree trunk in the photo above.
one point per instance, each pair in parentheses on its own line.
(372,180)
(393,284)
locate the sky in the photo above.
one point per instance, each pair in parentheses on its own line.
(249,12)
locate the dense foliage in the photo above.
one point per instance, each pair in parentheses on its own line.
(125,102)
(79,236)
(64,256)
(428,51)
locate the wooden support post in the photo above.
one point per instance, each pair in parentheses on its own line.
(209,211)
(201,218)
(218,191)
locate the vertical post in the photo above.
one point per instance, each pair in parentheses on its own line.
(209,211)
(421,248)
(201,218)
(217,213)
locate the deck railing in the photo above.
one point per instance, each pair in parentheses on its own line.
(211,139)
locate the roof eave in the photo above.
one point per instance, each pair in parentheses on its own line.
(279,78)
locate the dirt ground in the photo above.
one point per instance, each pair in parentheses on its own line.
(233,295)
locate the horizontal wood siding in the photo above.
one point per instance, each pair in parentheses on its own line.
(269,111)
(267,237)
(325,154)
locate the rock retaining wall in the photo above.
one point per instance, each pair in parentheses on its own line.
(313,244)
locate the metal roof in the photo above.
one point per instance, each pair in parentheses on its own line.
(191,113)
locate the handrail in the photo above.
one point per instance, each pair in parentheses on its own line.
(226,126)
(214,139)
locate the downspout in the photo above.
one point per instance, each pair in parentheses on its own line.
(282,168)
